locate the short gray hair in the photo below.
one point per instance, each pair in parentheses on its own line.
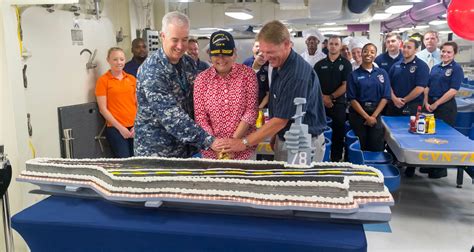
(176,18)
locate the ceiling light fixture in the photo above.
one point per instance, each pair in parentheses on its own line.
(238,13)
(404,29)
(419,27)
(331,33)
(334,28)
(381,16)
(445,32)
(437,22)
(215,29)
(207,29)
(330,23)
(398,8)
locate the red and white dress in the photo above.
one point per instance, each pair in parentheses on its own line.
(221,103)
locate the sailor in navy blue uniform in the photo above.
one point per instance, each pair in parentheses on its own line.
(393,54)
(408,79)
(140,52)
(445,80)
(368,89)
(332,72)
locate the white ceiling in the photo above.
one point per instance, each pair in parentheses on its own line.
(297,14)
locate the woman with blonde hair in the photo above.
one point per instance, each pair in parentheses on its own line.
(116,96)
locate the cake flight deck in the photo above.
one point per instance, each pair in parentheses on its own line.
(322,190)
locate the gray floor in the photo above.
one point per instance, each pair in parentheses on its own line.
(429,215)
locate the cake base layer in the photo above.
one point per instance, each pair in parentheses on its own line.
(343,189)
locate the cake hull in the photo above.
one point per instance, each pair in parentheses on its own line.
(274,187)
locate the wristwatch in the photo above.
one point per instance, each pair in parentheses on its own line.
(332,96)
(245,142)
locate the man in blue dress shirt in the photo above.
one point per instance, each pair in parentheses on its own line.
(431,54)
(292,77)
(393,54)
(140,52)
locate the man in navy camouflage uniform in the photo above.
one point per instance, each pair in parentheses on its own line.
(164,125)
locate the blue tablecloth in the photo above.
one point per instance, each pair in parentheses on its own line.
(465,117)
(446,147)
(73,224)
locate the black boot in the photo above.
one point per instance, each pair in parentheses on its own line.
(436,173)
(424,170)
(409,172)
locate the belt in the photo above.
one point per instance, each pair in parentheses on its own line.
(341,99)
(370,104)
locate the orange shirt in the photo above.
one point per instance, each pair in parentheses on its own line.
(121,97)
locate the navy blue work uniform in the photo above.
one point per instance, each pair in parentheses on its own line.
(295,79)
(331,75)
(368,88)
(201,65)
(443,78)
(131,67)
(404,77)
(249,61)
(263,85)
(386,62)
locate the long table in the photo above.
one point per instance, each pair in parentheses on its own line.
(75,224)
(446,148)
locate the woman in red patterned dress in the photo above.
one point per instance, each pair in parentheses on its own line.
(225,96)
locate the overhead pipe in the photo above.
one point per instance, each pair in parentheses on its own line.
(97,9)
(421,12)
(359,6)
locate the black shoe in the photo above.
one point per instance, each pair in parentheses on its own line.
(409,172)
(425,170)
(436,173)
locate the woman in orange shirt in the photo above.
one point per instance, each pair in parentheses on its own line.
(116,95)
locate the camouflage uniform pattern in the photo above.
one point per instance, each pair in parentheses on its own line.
(164,125)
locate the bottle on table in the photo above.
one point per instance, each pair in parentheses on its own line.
(260,119)
(418,112)
(421,125)
(412,123)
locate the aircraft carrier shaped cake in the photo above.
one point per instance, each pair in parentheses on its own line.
(271,185)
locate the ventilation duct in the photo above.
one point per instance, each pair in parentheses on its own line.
(422,12)
(359,6)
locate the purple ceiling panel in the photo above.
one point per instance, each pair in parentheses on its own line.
(357,27)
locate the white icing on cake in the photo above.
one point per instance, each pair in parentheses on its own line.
(369,196)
